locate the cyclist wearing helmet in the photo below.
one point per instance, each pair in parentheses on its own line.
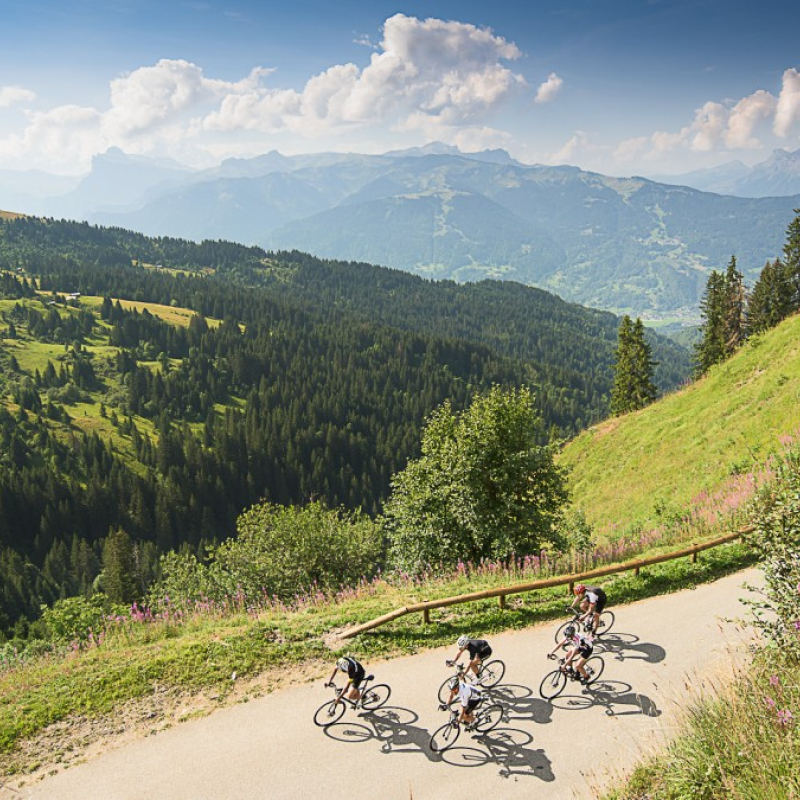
(478,650)
(469,695)
(581,645)
(355,674)
(592,601)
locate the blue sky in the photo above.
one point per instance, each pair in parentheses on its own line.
(621,87)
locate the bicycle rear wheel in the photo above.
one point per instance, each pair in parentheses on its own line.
(329,713)
(553,684)
(491,673)
(444,737)
(594,666)
(488,719)
(375,696)
(444,691)
(606,623)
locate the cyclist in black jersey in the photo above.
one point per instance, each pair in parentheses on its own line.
(355,674)
(478,649)
(592,600)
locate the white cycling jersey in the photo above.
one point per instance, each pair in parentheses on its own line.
(467,692)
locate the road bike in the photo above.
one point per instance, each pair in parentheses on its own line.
(554,682)
(372,697)
(490,673)
(486,719)
(605,623)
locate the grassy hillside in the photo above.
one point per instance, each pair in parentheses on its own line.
(635,471)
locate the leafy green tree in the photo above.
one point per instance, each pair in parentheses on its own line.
(485,486)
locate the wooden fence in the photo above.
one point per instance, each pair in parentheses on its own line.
(564,580)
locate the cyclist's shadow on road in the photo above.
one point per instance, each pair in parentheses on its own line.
(522,704)
(394,727)
(625,646)
(617,697)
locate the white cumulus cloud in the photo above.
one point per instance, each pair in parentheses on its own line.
(549,89)
(11,95)
(788,110)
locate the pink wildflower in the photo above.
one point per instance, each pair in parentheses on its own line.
(785,717)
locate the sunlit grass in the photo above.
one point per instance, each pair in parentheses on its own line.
(633,471)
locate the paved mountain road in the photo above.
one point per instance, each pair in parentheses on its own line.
(270,748)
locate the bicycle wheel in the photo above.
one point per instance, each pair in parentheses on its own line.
(375,696)
(606,623)
(594,666)
(444,691)
(491,673)
(488,719)
(444,737)
(553,684)
(561,628)
(329,713)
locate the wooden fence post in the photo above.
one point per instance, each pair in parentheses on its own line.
(502,599)
(636,571)
(426,615)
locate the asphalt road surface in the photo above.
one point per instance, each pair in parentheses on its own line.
(661,652)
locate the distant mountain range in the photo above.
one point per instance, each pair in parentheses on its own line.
(628,245)
(778,176)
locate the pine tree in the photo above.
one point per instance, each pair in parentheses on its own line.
(733,322)
(644,390)
(633,372)
(770,300)
(711,348)
(791,259)
(622,389)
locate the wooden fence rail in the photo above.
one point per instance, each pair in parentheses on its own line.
(564,580)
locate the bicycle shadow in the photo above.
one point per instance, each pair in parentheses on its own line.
(611,695)
(624,646)
(394,727)
(521,703)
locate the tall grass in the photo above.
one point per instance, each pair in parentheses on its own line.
(744,743)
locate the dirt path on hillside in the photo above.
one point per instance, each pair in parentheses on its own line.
(269,747)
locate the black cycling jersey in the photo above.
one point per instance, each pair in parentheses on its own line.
(354,669)
(479,648)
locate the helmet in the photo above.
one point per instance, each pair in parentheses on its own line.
(463,640)
(579,589)
(453,682)
(569,631)
(343,664)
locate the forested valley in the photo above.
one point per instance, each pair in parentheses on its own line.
(288,379)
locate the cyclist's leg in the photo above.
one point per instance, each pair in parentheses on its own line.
(579,667)
(475,665)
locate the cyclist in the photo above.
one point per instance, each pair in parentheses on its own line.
(478,650)
(469,695)
(581,645)
(355,674)
(592,600)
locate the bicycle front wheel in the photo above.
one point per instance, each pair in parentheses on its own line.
(444,737)
(329,713)
(594,666)
(488,719)
(491,673)
(553,684)
(561,628)
(375,696)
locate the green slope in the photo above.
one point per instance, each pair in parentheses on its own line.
(631,471)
